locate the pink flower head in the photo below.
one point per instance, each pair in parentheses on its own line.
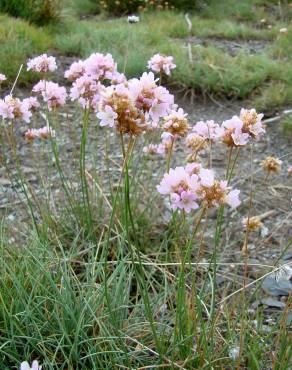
(39,87)
(160,63)
(116,108)
(86,90)
(31,134)
(150,149)
(76,70)
(186,200)
(34,366)
(46,133)
(289,170)
(107,116)
(14,108)
(181,187)
(53,94)
(41,133)
(2,77)
(214,193)
(142,90)
(167,137)
(176,123)
(100,66)
(42,63)
(151,99)
(118,78)
(193,168)
(252,123)
(232,198)
(209,130)
(207,177)
(32,103)
(233,134)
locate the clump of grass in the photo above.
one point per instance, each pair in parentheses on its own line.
(228,29)
(19,41)
(247,10)
(37,11)
(287,125)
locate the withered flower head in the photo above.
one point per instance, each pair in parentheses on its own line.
(176,123)
(271,164)
(253,223)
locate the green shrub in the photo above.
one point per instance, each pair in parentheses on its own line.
(37,11)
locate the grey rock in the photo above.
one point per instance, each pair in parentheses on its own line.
(279,283)
(273,303)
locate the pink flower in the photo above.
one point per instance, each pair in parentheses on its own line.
(150,149)
(76,70)
(232,198)
(46,132)
(252,123)
(147,96)
(207,177)
(100,66)
(2,77)
(193,168)
(158,110)
(181,187)
(6,110)
(233,134)
(86,90)
(214,193)
(118,78)
(186,201)
(289,170)
(41,133)
(107,117)
(32,103)
(14,108)
(208,130)
(39,87)
(160,63)
(53,94)
(42,63)
(176,123)
(128,119)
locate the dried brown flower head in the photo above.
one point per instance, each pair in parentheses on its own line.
(271,164)
(176,123)
(253,223)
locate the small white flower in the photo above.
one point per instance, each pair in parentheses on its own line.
(264,231)
(133,19)
(34,366)
(283,30)
(234,353)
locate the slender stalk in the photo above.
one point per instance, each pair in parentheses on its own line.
(169,156)
(245,255)
(84,184)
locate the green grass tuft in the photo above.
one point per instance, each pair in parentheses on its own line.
(19,41)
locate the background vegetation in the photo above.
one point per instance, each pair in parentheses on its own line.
(205,66)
